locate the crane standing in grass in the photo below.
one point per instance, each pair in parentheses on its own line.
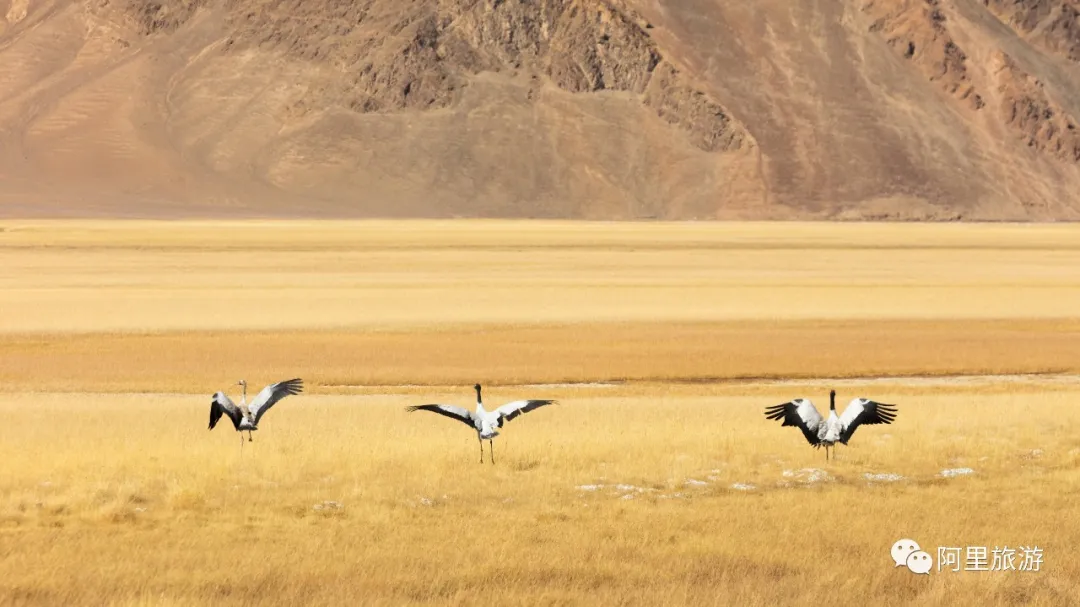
(486,423)
(246,417)
(819,431)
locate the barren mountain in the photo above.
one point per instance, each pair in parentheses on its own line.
(604,109)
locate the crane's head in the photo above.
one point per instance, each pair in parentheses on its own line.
(241,383)
(477,388)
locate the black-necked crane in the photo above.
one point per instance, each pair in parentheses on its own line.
(247,416)
(486,423)
(826,432)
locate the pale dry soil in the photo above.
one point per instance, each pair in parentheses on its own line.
(655,480)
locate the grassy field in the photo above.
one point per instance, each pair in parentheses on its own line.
(656,480)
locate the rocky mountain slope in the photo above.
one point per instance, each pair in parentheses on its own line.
(599,109)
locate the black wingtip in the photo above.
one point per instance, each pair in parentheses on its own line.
(293,386)
(774,411)
(887,413)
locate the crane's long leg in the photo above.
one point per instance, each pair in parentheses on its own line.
(481,441)
(491,448)
(249,436)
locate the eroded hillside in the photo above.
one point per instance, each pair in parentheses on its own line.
(902,109)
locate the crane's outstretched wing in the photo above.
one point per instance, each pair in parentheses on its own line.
(450,411)
(513,409)
(864,411)
(798,412)
(222,405)
(271,394)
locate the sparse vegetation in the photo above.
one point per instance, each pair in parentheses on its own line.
(906,110)
(113,491)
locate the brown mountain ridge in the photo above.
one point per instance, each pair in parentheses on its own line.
(596,109)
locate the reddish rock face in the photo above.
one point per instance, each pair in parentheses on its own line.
(604,109)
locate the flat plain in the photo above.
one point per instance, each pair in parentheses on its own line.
(656,479)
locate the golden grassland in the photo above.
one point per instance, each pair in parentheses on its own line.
(663,343)
(94,277)
(128,499)
(347,360)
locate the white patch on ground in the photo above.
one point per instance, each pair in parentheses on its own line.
(327,505)
(673,496)
(954,472)
(431,501)
(808,476)
(743,487)
(624,490)
(885,477)
(693,482)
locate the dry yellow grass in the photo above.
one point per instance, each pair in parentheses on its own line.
(346,360)
(113,491)
(141,276)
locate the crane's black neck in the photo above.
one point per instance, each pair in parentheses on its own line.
(832,400)
(477,388)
